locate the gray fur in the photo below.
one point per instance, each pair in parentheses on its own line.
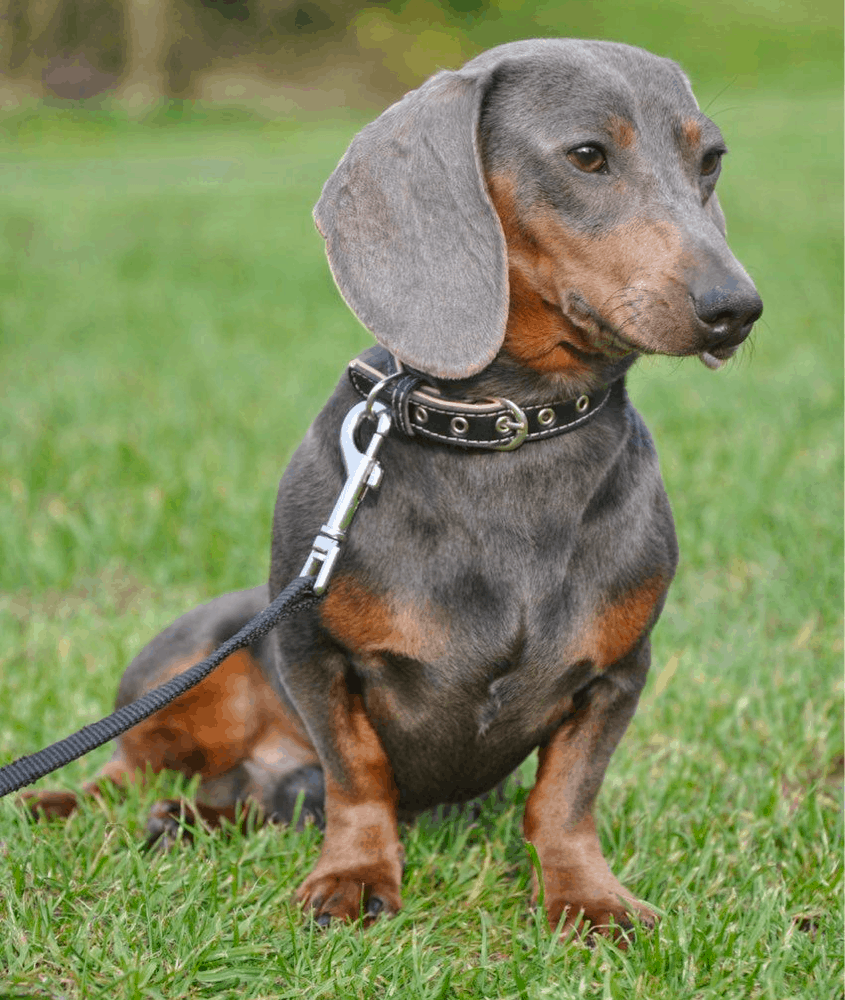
(414,244)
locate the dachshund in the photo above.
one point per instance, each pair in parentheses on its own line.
(515,234)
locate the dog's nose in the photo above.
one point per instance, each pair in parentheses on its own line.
(728,312)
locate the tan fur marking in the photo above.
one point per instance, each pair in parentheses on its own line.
(691,131)
(367,623)
(615,630)
(216,725)
(50,804)
(563,282)
(115,771)
(370,776)
(577,881)
(621,131)
(535,327)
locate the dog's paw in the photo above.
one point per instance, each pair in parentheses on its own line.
(170,822)
(610,915)
(337,897)
(49,805)
(307,783)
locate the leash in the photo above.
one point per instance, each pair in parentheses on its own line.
(25,770)
(363,472)
(418,411)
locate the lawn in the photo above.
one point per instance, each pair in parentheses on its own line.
(168,330)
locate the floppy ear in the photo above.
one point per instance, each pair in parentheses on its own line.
(413,240)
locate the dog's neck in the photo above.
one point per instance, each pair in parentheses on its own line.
(506,378)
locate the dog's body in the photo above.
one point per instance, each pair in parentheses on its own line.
(521,229)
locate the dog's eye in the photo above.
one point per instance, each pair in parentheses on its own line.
(710,162)
(590,159)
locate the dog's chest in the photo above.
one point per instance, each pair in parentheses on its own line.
(493,622)
(528,635)
(478,596)
(461,692)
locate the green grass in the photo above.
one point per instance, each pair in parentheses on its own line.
(169,330)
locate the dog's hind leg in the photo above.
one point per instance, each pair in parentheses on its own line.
(234,729)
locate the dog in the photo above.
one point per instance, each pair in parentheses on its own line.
(515,234)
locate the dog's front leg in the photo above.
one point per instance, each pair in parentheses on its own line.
(360,868)
(577,882)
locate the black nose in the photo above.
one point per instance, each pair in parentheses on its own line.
(728,312)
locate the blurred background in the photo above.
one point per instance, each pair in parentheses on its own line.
(291,56)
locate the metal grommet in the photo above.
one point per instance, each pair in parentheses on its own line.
(546,417)
(582,403)
(505,425)
(459,425)
(421,414)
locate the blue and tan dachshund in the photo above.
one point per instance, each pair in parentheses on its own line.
(515,234)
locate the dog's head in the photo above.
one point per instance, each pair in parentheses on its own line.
(553,201)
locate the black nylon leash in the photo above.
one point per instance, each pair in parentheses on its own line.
(298,595)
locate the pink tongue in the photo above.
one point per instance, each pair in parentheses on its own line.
(707,359)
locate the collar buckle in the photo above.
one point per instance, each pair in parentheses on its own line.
(515,423)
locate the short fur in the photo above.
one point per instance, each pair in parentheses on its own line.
(524,228)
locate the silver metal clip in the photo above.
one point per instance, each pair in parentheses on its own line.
(363,472)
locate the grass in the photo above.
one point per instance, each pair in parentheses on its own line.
(168,331)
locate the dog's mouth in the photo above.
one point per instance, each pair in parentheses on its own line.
(601,339)
(717,357)
(711,361)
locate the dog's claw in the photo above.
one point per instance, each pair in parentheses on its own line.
(168,825)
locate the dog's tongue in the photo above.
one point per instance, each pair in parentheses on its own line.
(706,358)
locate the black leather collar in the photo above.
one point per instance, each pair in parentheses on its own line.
(419,410)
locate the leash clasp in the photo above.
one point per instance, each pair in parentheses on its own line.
(363,472)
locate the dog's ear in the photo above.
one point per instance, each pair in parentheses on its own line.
(413,240)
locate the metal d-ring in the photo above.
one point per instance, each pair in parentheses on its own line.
(372,395)
(518,425)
